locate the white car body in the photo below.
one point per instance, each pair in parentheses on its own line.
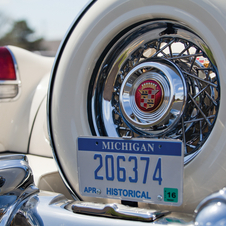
(28,127)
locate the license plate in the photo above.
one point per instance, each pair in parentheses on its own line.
(140,170)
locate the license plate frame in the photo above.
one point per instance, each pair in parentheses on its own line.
(117,168)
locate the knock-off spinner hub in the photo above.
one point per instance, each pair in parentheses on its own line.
(153,96)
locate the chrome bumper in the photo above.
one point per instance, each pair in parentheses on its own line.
(21,203)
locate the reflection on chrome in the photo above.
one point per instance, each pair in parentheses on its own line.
(190,87)
(211,211)
(21,203)
(171,106)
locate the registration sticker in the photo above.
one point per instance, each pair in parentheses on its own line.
(140,170)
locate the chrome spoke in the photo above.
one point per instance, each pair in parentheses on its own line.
(194,97)
(199,119)
(185,56)
(191,146)
(204,69)
(207,120)
(116,112)
(164,47)
(193,61)
(170,50)
(124,128)
(200,79)
(201,135)
(214,102)
(183,132)
(183,51)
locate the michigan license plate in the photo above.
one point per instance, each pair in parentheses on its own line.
(140,170)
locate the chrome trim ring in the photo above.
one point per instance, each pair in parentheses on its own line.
(188,111)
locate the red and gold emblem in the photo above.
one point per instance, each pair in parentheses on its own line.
(149,95)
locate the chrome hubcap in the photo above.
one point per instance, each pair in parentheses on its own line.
(152,97)
(151,84)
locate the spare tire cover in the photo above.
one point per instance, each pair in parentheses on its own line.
(86,88)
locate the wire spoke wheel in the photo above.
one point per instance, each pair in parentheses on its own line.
(158,80)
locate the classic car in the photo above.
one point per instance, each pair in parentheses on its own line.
(132,111)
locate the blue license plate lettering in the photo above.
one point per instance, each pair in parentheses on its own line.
(121,170)
(134,178)
(134,170)
(109,167)
(96,176)
(158,172)
(146,168)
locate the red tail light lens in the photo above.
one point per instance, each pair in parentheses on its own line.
(9,81)
(7,69)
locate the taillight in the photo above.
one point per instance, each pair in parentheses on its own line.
(7,69)
(9,83)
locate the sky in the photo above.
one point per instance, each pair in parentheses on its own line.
(49,19)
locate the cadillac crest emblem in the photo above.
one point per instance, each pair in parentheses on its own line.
(149,95)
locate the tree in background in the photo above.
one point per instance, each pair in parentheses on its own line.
(22,36)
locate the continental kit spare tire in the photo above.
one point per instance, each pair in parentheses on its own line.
(116,48)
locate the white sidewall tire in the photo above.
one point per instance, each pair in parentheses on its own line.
(77,59)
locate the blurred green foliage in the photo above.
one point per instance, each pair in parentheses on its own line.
(19,34)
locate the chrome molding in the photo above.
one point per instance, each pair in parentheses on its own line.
(117,211)
(212,210)
(21,203)
(16,184)
(46,208)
